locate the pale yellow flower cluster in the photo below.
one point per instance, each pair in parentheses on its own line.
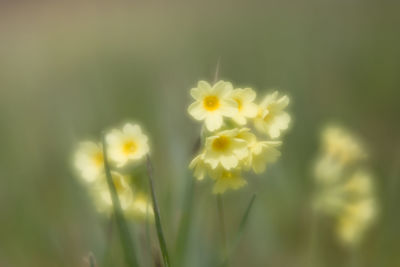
(230,145)
(345,189)
(125,146)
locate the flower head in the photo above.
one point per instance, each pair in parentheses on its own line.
(354,221)
(271,118)
(225,149)
(260,152)
(345,187)
(102,196)
(228,152)
(201,169)
(141,207)
(245,105)
(89,160)
(127,144)
(342,145)
(359,184)
(212,103)
(225,180)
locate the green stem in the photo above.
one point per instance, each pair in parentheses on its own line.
(92,260)
(156,210)
(187,214)
(125,236)
(185,222)
(109,234)
(221,218)
(216,74)
(240,231)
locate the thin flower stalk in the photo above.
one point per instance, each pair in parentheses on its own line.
(125,236)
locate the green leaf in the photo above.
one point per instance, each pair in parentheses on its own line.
(157,219)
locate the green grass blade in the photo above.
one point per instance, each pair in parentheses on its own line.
(187,214)
(240,231)
(125,236)
(92,260)
(244,220)
(156,210)
(185,223)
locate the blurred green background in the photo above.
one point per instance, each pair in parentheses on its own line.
(69,70)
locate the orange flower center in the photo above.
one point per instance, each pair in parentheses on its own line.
(129,147)
(240,103)
(98,159)
(211,103)
(221,143)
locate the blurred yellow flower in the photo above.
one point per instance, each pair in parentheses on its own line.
(225,149)
(342,145)
(200,168)
(360,184)
(327,170)
(101,193)
(245,105)
(271,118)
(89,160)
(141,208)
(212,103)
(354,221)
(127,144)
(345,188)
(225,180)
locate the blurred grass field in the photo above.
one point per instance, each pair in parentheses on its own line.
(70,70)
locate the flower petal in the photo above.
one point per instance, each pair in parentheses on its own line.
(197,111)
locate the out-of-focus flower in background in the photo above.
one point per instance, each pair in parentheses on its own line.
(125,146)
(89,160)
(344,187)
(101,193)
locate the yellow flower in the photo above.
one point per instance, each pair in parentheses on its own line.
(360,184)
(260,152)
(354,221)
(341,145)
(330,200)
(225,149)
(327,170)
(212,103)
(225,180)
(271,118)
(199,166)
(141,208)
(246,106)
(89,161)
(102,196)
(128,144)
